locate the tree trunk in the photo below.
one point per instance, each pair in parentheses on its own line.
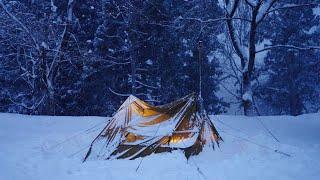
(246,102)
(294,106)
(246,77)
(52,71)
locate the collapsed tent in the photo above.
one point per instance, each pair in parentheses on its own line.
(138,129)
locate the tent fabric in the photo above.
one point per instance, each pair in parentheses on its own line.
(139,129)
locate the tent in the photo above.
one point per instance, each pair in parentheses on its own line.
(139,129)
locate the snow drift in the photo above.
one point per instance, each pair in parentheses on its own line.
(45,147)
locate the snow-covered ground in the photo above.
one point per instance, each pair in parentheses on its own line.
(51,148)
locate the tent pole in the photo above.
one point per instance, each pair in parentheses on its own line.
(200,48)
(200,66)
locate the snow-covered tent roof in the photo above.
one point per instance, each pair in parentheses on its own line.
(139,129)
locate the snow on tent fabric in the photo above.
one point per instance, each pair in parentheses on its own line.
(138,129)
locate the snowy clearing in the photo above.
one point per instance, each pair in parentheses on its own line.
(46,147)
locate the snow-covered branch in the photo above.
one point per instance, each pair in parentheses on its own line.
(292,6)
(33,107)
(263,10)
(146,85)
(21,24)
(234,38)
(55,59)
(250,3)
(118,63)
(216,20)
(231,7)
(117,93)
(289,47)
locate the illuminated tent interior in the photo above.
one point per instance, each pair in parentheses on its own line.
(138,129)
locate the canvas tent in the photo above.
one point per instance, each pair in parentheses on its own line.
(138,129)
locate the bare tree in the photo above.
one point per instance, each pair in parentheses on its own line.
(51,68)
(243,18)
(42,45)
(127,16)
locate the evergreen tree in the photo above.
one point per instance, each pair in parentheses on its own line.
(293,80)
(85,57)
